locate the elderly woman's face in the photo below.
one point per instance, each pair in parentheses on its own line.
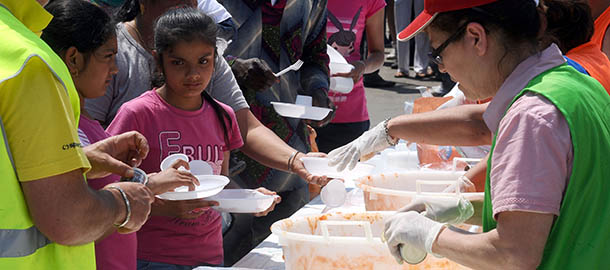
(446,52)
(456,54)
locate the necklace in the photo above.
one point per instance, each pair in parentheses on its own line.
(139,36)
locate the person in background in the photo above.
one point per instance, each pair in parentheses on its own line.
(422,44)
(272,35)
(110,6)
(546,151)
(600,10)
(389,14)
(345,29)
(222,18)
(42,162)
(173,114)
(589,55)
(84,37)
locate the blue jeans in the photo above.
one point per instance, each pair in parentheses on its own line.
(148,265)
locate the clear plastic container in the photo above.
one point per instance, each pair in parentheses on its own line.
(343,241)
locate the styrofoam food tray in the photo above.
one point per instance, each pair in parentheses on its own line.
(210,185)
(300,111)
(242,201)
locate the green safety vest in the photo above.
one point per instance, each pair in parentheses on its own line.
(22,245)
(579,237)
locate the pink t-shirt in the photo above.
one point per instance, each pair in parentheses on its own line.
(532,159)
(116,251)
(199,135)
(345,26)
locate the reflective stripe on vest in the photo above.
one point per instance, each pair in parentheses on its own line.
(18,243)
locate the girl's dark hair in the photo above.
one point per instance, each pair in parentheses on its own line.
(188,24)
(77,23)
(518,22)
(570,23)
(128,11)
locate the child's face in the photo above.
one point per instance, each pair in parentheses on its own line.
(92,81)
(188,67)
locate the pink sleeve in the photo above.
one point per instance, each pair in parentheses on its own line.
(532,160)
(235,140)
(124,121)
(374,6)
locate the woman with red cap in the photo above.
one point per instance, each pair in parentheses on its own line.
(545,193)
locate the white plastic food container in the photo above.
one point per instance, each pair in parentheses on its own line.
(210,185)
(390,192)
(242,201)
(342,241)
(302,108)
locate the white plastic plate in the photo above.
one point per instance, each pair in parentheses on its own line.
(242,201)
(210,185)
(300,111)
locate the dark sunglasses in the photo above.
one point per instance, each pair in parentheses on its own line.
(435,54)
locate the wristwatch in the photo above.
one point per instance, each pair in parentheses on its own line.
(139,176)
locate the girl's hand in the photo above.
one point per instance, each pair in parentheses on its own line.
(277,200)
(116,154)
(298,167)
(187,209)
(356,73)
(172,178)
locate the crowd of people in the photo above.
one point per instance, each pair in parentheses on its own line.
(92,90)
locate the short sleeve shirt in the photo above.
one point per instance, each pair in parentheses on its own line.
(39,124)
(532,158)
(344,29)
(199,135)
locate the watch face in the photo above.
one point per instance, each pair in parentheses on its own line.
(139,176)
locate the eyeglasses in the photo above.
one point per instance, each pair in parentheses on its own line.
(435,54)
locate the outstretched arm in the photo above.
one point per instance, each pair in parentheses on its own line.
(262,145)
(462,125)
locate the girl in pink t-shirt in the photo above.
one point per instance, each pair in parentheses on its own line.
(345,28)
(83,35)
(180,117)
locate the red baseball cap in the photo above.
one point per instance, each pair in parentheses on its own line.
(433,8)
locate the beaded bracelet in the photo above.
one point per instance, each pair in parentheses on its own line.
(127,205)
(387,132)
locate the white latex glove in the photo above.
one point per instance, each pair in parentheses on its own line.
(463,183)
(445,209)
(347,156)
(413,229)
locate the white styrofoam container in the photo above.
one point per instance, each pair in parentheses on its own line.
(242,201)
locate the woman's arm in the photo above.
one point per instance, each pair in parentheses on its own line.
(462,125)
(517,243)
(262,145)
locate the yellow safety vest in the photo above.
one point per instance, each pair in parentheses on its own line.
(22,245)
